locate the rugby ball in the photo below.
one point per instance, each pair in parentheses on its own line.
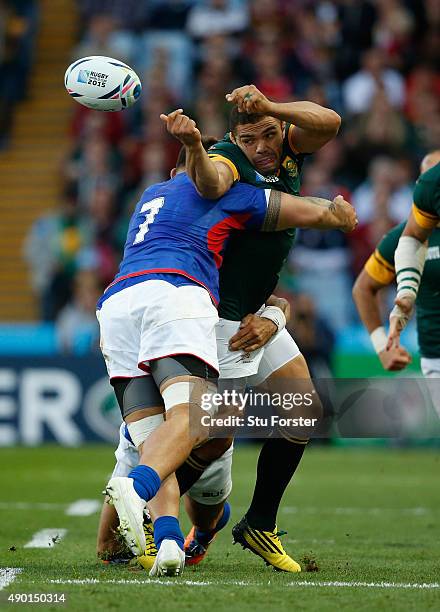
(102,83)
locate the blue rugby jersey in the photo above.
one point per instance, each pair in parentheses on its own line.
(177,233)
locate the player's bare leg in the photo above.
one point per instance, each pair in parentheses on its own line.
(168,446)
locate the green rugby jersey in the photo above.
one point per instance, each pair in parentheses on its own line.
(380,266)
(253,260)
(426,207)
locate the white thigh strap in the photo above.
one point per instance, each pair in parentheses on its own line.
(140,430)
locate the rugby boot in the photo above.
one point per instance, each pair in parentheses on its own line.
(264,544)
(170,560)
(149,557)
(195,551)
(130,509)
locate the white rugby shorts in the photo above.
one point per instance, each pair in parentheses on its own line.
(257,365)
(213,486)
(155,319)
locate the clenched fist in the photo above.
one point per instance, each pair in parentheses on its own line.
(182,127)
(345,213)
(250,100)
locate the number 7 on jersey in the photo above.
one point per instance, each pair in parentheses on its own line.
(151,209)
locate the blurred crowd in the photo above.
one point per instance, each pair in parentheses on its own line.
(18,25)
(374,61)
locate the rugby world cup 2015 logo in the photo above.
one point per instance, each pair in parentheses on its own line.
(266,179)
(83,76)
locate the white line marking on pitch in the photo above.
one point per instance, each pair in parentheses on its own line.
(302,583)
(46,538)
(8,575)
(83,507)
(30,506)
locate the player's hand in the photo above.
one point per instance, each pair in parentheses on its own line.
(397,358)
(254,332)
(249,100)
(399,317)
(345,214)
(182,127)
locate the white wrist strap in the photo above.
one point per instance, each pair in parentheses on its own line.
(409,260)
(379,339)
(402,318)
(276,315)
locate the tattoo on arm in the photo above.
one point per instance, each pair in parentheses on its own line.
(273,212)
(322,202)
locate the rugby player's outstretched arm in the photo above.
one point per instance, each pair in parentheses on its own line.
(366,297)
(312,125)
(285,211)
(211,179)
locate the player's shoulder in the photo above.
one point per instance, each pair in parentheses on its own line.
(429,181)
(226,148)
(289,143)
(431,176)
(226,152)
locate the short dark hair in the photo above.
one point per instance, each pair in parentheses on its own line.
(238,118)
(207,142)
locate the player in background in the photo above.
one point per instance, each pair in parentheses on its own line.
(265,147)
(412,249)
(157,317)
(379,272)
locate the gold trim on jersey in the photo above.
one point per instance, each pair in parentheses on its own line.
(290,139)
(228,162)
(424,219)
(379,269)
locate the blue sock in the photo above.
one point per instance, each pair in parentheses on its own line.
(206,536)
(146,481)
(167,528)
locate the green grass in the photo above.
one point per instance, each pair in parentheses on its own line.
(364,515)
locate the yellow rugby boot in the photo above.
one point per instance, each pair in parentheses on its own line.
(149,557)
(265,544)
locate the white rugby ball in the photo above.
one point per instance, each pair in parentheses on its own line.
(102,83)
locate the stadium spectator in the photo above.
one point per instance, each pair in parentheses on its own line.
(76,325)
(312,334)
(104,38)
(52,250)
(386,192)
(360,88)
(217,17)
(321,261)
(18,22)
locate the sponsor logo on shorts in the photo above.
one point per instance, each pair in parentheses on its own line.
(245,358)
(213,493)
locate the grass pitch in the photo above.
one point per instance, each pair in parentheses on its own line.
(367,518)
